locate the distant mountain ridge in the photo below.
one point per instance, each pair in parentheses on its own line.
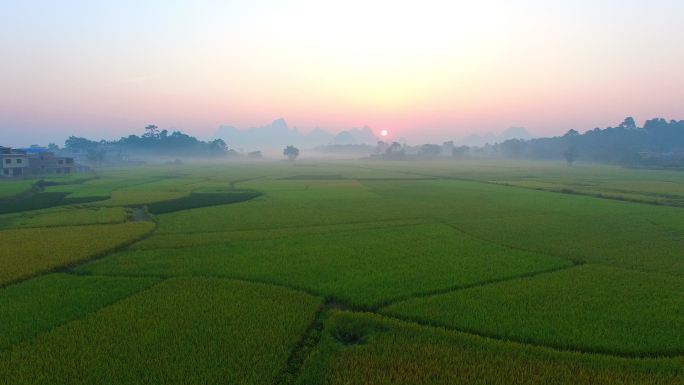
(491,138)
(279,134)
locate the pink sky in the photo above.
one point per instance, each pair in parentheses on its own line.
(426,71)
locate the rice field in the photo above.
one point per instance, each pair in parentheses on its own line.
(27,252)
(181,331)
(40,304)
(360,268)
(65,216)
(359,348)
(200,199)
(10,188)
(33,201)
(172,240)
(363,272)
(630,313)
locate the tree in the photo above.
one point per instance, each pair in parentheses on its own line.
(448,147)
(570,155)
(512,148)
(76,144)
(53,147)
(571,133)
(628,124)
(394,148)
(153,141)
(96,156)
(218,145)
(151,131)
(291,152)
(430,150)
(381,147)
(460,151)
(394,151)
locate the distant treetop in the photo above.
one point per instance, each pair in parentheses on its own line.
(152,141)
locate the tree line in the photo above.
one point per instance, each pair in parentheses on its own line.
(657,143)
(153,141)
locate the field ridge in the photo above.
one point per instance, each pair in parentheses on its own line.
(477,284)
(61,268)
(307,343)
(330,303)
(500,338)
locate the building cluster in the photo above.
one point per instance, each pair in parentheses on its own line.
(17,163)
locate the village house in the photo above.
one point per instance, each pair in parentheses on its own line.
(45,162)
(14,163)
(18,163)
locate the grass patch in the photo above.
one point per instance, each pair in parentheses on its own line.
(34,201)
(587,308)
(196,200)
(361,268)
(76,200)
(137,198)
(26,252)
(182,331)
(70,216)
(39,304)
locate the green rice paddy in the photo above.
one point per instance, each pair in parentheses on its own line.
(362,268)
(27,252)
(344,273)
(361,348)
(39,304)
(630,312)
(182,331)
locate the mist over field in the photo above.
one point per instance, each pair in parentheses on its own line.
(342,192)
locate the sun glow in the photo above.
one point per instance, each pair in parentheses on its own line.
(434,69)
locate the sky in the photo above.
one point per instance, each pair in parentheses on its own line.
(423,70)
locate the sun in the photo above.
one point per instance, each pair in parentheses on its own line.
(384,133)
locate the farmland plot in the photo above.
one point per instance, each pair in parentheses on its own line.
(196,200)
(32,201)
(287,203)
(363,268)
(14,187)
(650,239)
(174,240)
(182,331)
(579,228)
(65,216)
(26,252)
(455,259)
(39,304)
(586,308)
(368,349)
